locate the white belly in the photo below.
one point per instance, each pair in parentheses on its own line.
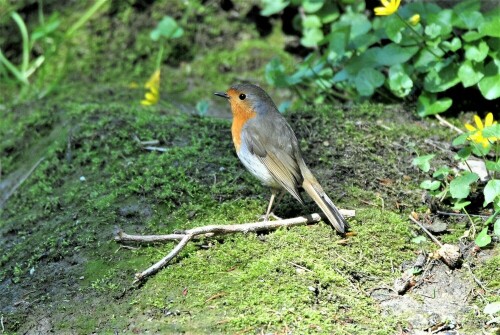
(253,164)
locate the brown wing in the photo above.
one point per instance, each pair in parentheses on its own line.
(275,145)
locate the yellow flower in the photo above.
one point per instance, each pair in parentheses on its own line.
(153,85)
(389,7)
(414,20)
(477,135)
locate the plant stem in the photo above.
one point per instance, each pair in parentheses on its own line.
(159,57)
(85,17)
(26,42)
(12,68)
(420,37)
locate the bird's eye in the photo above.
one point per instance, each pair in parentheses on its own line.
(242,96)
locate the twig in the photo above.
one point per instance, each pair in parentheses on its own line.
(1,322)
(160,149)
(426,231)
(461,214)
(300,267)
(21,180)
(443,122)
(208,231)
(478,282)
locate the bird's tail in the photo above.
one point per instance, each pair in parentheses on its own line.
(314,189)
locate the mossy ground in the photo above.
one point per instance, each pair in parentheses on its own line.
(62,272)
(59,254)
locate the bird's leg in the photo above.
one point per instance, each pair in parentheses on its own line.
(270,206)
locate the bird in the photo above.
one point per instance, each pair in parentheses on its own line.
(267,146)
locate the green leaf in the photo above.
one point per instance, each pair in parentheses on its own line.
(491,27)
(454,45)
(338,40)
(469,20)
(329,12)
(443,19)
(273,6)
(368,80)
(276,76)
(442,172)
(399,82)
(433,30)
(394,28)
(491,191)
(393,54)
(472,36)
(311,21)
(478,52)
(439,81)
(423,162)
(419,239)
(428,104)
(490,84)
(492,131)
(463,153)
(492,166)
(430,185)
(359,24)
(461,139)
(460,204)
(311,6)
(311,37)
(460,186)
(469,73)
(167,28)
(483,239)
(496,227)
(424,60)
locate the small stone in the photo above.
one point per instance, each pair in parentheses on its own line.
(82,178)
(450,254)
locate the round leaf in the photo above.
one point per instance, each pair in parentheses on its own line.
(460,186)
(429,105)
(478,52)
(483,239)
(491,191)
(311,6)
(368,80)
(470,74)
(490,84)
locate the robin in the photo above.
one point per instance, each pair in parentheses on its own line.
(267,146)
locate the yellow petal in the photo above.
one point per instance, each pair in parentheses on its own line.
(146,103)
(381,11)
(469,127)
(488,121)
(478,122)
(385,3)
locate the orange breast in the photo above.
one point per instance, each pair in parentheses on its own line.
(241,114)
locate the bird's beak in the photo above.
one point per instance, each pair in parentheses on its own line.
(222,94)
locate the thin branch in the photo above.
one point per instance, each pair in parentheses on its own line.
(209,231)
(426,231)
(21,180)
(443,122)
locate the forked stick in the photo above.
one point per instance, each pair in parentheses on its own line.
(209,231)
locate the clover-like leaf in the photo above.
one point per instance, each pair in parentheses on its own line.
(428,104)
(483,239)
(490,84)
(430,185)
(311,37)
(476,53)
(368,80)
(491,191)
(460,186)
(167,28)
(311,6)
(399,82)
(271,7)
(423,162)
(469,73)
